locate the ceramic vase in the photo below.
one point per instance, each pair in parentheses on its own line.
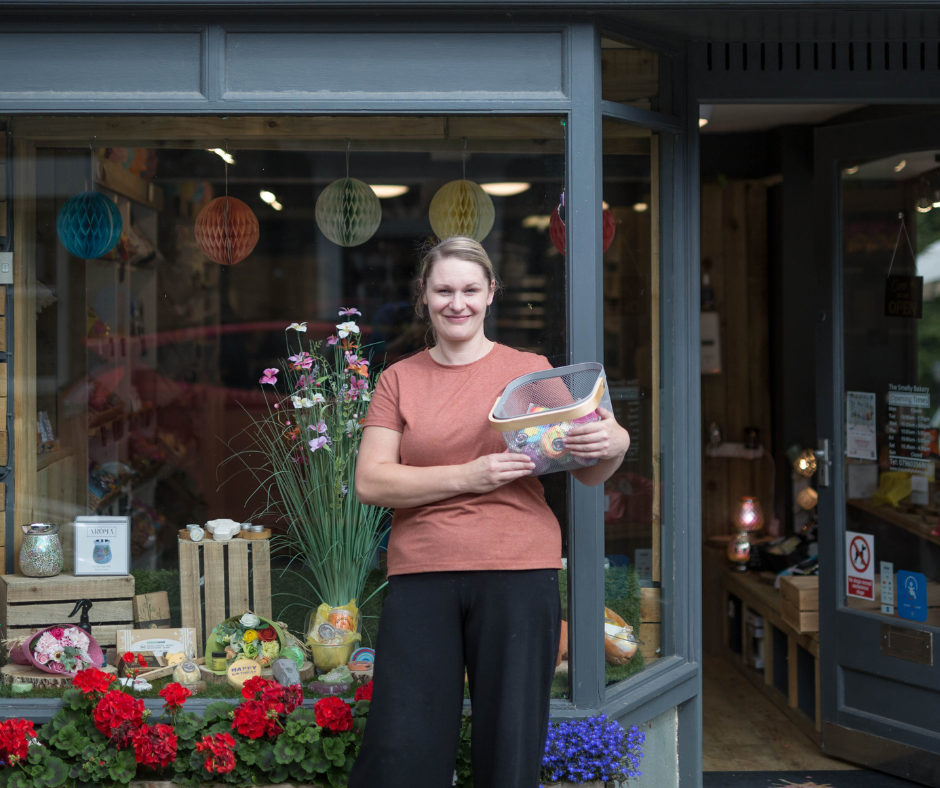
(41,551)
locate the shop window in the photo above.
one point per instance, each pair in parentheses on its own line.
(142,363)
(630,75)
(632,496)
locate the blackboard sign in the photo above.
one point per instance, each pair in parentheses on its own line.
(904,296)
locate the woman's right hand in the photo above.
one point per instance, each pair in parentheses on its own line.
(486,473)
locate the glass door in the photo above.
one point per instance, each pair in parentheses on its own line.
(878,402)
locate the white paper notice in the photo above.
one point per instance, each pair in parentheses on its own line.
(860,434)
(887,588)
(860,565)
(643,562)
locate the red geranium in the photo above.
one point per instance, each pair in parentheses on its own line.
(15,736)
(220,758)
(174,696)
(154,745)
(267,635)
(251,719)
(270,692)
(117,709)
(333,714)
(92,680)
(128,658)
(364,692)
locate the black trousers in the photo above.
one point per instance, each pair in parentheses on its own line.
(504,627)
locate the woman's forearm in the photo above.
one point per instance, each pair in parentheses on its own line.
(599,473)
(404,486)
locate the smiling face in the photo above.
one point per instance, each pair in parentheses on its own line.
(456,295)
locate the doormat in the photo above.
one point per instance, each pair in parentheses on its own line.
(829,779)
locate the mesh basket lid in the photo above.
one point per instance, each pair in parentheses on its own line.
(550,396)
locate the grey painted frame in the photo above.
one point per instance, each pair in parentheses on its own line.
(674,680)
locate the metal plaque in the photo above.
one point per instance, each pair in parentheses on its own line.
(914,645)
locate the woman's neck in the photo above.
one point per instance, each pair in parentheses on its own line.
(454,353)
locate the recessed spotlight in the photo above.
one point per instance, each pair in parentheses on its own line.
(705,114)
(270,199)
(640,207)
(222,154)
(507,189)
(387,191)
(900,165)
(537,222)
(851,170)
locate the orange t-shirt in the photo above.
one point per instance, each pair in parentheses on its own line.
(441,411)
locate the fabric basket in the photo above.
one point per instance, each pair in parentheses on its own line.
(537,410)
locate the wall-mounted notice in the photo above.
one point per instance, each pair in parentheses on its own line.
(860,565)
(860,434)
(912,596)
(887,588)
(908,428)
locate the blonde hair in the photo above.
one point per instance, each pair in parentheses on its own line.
(460,247)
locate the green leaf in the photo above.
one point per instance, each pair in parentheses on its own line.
(266,758)
(70,739)
(219,709)
(287,750)
(123,767)
(75,699)
(277,774)
(52,775)
(334,750)
(299,720)
(37,755)
(187,725)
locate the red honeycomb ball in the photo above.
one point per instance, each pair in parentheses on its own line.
(229,244)
(556,230)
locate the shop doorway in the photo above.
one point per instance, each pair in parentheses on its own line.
(797,678)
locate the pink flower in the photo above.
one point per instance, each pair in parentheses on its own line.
(320,427)
(57,632)
(42,659)
(349,311)
(269,376)
(302,360)
(319,443)
(302,382)
(356,385)
(332,340)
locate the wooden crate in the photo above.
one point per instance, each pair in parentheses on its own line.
(31,603)
(237,577)
(802,621)
(802,592)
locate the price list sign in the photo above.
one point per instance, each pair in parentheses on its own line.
(907,428)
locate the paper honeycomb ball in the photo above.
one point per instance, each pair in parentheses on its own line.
(226,230)
(556,230)
(348,212)
(89,225)
(462,208)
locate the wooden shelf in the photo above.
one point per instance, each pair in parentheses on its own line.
(909,522)
(136,481)
(43,461)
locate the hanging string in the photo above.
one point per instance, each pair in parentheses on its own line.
(464,158)
(902,228)
(228,242)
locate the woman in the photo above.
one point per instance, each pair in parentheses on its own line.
(474,551)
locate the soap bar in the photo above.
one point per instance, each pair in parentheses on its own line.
(20,688)
(322,688)
(286,673)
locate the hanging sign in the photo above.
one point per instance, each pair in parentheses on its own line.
(887,588)
(912,596)
(904,296)
(860,565)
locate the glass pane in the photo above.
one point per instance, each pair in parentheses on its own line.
(891,274)
(632,76)
(148,354)
(631,358)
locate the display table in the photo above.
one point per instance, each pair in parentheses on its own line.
(790,675)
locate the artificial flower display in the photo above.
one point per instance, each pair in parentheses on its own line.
(58,649)
(247,637)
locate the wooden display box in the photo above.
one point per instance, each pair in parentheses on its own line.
(803,621)
(31,603)
(800,591)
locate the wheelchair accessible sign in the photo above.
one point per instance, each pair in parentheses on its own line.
(860,565)
(912,596)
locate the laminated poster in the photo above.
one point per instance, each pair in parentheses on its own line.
(860,434)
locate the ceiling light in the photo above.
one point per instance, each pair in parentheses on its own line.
(267,196)
(900,165)
(604,205)
(537,222)
(639,207)
(507,189)
(705,114)
(387,191)
(222,154)
(276,205)
(851,170)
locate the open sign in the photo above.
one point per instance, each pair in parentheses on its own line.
(904,296)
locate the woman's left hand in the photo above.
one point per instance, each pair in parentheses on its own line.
(599,440)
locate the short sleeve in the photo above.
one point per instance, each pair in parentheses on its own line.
(383,409)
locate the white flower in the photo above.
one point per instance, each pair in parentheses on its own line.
(298,326)
(352,425)
(347,328)
(249,620)
(318,398)
(365,396)
(301,402)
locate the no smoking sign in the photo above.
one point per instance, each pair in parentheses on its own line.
(860,565)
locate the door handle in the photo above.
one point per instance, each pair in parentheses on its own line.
(825,464)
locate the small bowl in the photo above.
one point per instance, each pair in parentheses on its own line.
(326,657)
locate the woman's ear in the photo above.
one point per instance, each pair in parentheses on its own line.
(492,293)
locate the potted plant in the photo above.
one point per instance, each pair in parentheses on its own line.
(303,454)
(593,751)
